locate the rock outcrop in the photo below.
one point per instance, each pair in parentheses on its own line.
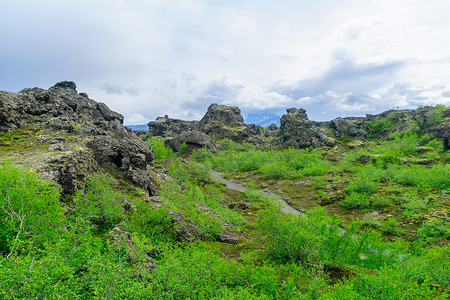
(297,131)
(89,135)
(220,121)
(227,122)
(347,128)
(167,127)
(192,140)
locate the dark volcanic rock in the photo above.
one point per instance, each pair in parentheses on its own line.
(226,115)
(442,132)
(297,131)
(193,140)
(167,127)
(91,136)
(226,122)
(344,127)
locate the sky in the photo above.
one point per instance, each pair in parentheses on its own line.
(150,58)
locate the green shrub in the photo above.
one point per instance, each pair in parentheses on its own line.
(382,123)
(233,146)
(196,206)
(99,202)
(75,127)
(30,212)
(285,164)
(370,221)
(277,170)
(356,201)
(438,176)
(413,204)
(183,148)
(436,228)
(381,201)
(386,286)
(253,195)
(193,171)
(392,226)
(315,239)
(435,115)
(363,186)
(433,266)
(159,148)
(154,223)
(202,155)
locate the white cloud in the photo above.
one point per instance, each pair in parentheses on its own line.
(150,58)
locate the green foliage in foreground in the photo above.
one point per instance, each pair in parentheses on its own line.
(99,202)
(316,239)
(30,213)
(72,257)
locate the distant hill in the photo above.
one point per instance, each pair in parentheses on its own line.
(263,119)
(138,127)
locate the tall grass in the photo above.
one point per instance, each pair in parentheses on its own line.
(283,164)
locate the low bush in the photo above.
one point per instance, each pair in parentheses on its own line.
(356,201)
(436,228)
(195,172)
(315,239)
(100,203)
(392,226)
(285,164)
(159,148)
(435,115)
(30,212)
(363,186)
(370,221)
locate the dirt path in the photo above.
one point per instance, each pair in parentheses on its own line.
(286,208)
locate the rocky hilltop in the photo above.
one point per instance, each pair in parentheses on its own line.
(296,130)
(65,136)
(220,121)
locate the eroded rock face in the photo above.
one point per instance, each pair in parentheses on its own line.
(297,131)
(194,140)
(226,115)
(90,136)
(227,122)
(167,127)
(344,127)
(220,121)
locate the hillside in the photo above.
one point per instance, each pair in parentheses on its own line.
(353,208)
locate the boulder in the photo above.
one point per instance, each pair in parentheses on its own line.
(193,140)
(346,128)
(297,131)
(167,127)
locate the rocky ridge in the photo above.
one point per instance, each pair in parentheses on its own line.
(296,130)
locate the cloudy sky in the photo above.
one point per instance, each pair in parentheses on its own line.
(149,58)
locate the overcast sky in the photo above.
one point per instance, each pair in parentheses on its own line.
(149,58)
